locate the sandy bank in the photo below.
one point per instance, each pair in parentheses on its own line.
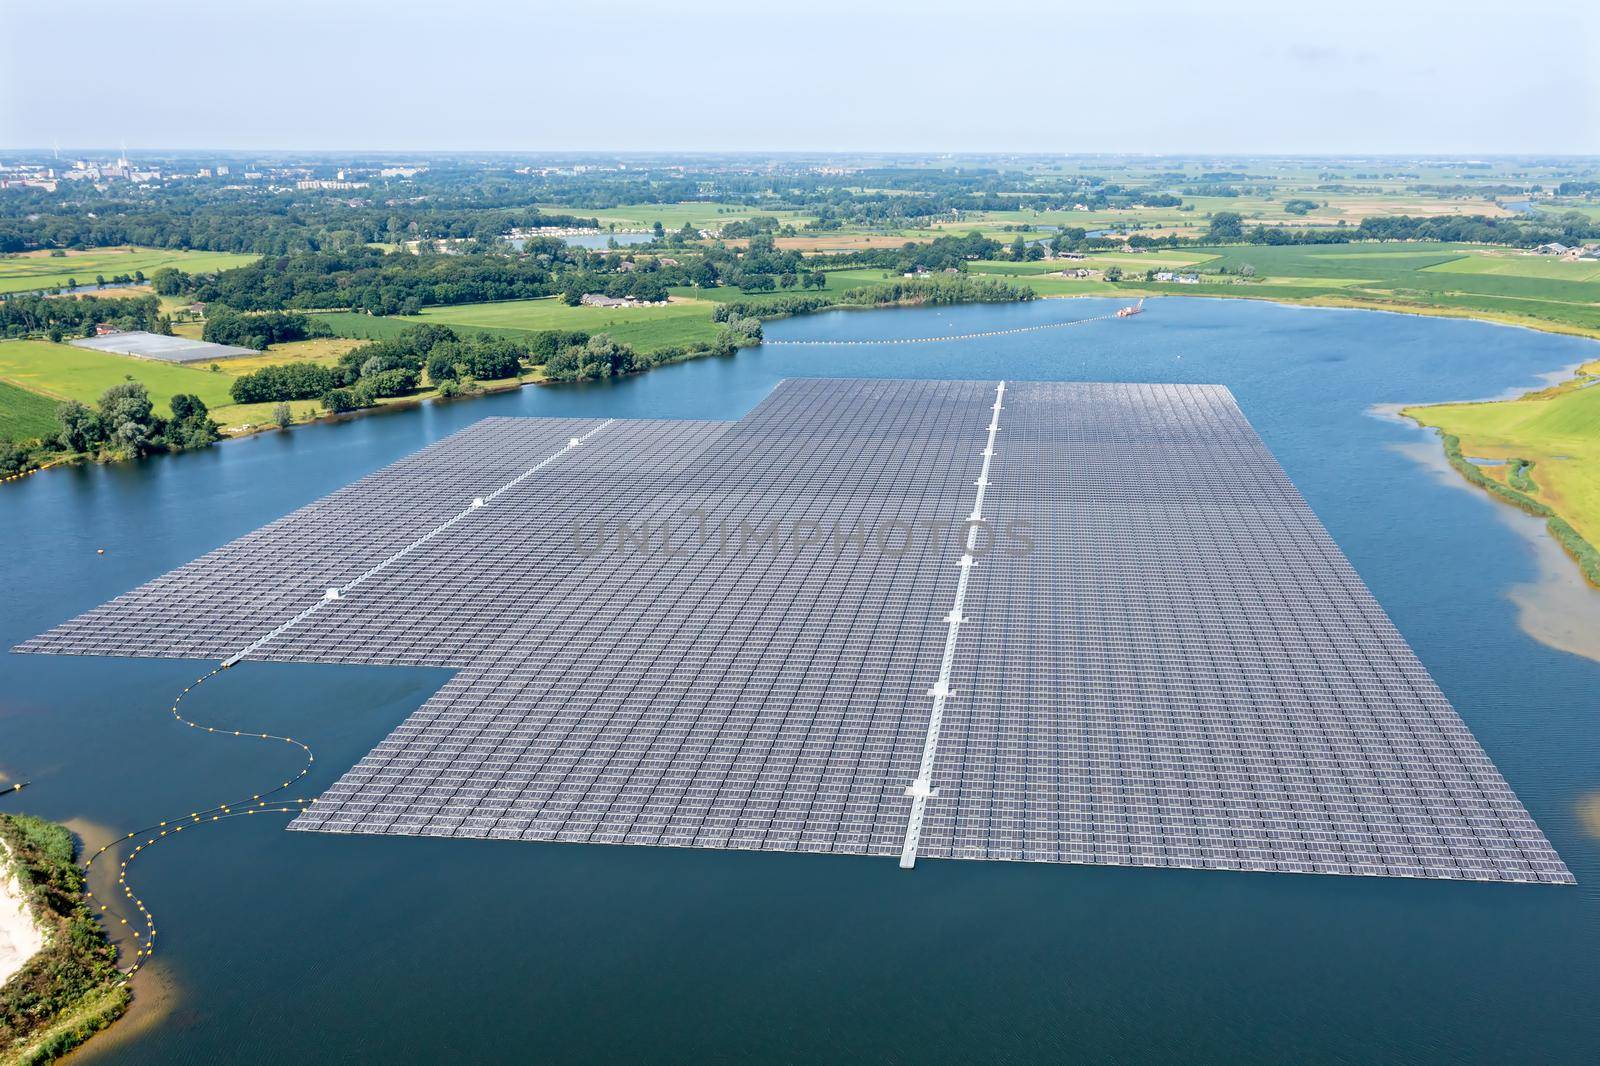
(19,933)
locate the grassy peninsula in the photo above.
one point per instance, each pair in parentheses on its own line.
(1539,452)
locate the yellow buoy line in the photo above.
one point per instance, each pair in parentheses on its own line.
(259,803)
(151,835)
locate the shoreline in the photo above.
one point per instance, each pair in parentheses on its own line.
(1558,527)
(1582,553)
(1336,304)
(70,988)
(1119,292)
(21,936)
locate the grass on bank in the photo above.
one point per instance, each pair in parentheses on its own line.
(235,418)
(40,270)
(71,989)
(1556,430)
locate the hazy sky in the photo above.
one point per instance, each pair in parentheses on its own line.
(1303,76)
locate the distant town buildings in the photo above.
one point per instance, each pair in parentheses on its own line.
(102,173)
(323,183)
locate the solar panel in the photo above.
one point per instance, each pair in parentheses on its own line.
(1083,623)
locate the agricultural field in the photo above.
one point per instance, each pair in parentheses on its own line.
(25,415)
(1192,216)
(1164,259)
(1507,263)
(823,243)
(1430,279)
(1554,428)
(681,322)
(355,324)
(324,350)
(35,376)
(62,372)
(40,270)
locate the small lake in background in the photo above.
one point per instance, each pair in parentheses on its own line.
(602,241)
(280,947)
(593,241)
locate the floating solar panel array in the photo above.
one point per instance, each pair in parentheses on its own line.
(1082,623)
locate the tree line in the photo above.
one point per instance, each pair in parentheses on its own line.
(59,317)
(1571,227)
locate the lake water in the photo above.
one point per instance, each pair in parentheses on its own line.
(602,241)
(279,947)
(593,241)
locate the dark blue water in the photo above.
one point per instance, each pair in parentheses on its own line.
(282,947)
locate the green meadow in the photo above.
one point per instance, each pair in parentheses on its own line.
(681,322)
(359,326)
(20,273)
(25,415)
(62,372)
(1459,280)
(1523,265)
(1555,429)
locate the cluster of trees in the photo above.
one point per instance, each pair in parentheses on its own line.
(601,356)
(943,289)
(484,358)
(548,342)
(368,279)
(125,424)
(21,316)
(1226,226)
(938,254)
(596,358)
(260,331)
(390,367)
(761,266)
(648,283)
(1571,227)
(937,290)
(284,381)
(749,227)
(267,220)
